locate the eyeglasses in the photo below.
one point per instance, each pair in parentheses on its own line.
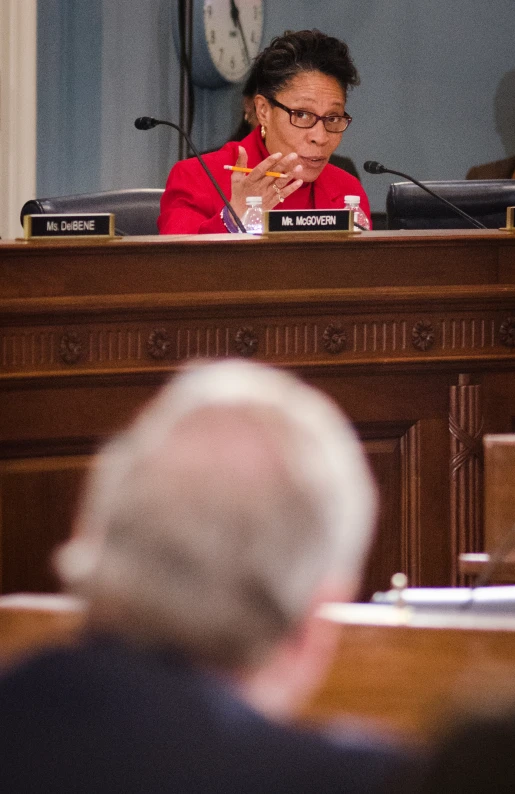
(305,119)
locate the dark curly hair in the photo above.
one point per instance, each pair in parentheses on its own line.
(301,51)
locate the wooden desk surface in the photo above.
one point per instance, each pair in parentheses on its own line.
(398,673)
(411,673)
(30,623)
(413,333)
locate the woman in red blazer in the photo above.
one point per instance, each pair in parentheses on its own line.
(302,83)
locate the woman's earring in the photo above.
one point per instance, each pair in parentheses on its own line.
(263,132)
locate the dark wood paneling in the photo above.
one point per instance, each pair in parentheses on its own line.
(38,498)
(404,330)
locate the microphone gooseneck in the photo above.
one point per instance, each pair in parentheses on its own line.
(373,167)
(148,123)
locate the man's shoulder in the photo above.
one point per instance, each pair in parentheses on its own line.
(185,723)
(350,758)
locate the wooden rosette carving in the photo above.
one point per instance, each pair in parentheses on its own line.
(70,347)
(246,341)
(423,335)
(159,343)
(507,332)
(334,339)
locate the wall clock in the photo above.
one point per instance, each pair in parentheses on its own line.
(226,38)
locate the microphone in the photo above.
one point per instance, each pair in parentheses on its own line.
(148,123)
(372,167)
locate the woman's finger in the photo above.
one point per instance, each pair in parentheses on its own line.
(269,164)
(287,165)
(284,192)
(241,162)
(293,174)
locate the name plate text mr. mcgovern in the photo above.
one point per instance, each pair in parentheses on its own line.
(308,221)
(99,224)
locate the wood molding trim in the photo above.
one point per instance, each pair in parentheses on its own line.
(466,471)
(411,531)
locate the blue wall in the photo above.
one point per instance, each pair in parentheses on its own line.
(437,90)
(69,81)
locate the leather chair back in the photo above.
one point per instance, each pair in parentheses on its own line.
(410,207)
(136,211)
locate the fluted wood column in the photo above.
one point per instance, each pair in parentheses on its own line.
(466,430)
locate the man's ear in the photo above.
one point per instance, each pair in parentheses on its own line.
(263,109)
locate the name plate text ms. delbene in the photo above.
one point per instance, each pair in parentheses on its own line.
(308,221)
(99,224)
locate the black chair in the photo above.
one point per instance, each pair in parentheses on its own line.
(410,207)
(379,221)
(135,211)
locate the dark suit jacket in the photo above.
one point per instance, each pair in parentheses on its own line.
(106,717)
(500,169)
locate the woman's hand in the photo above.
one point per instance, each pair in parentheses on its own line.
(256,183)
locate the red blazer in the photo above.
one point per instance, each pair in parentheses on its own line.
(191,205)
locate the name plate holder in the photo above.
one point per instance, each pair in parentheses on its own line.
(294,221)
(98,225)
(510,220)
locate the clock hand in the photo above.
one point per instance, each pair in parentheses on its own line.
(236,21)
(235,13)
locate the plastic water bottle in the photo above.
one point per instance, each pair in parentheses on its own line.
(253,218)
(352,204)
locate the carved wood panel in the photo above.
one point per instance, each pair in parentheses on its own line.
(37,501)
(384,323)
(347,336)
(403,422)
(395,460)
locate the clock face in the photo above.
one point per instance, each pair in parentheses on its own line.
(233,30)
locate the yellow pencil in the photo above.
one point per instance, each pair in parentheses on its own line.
(238,168)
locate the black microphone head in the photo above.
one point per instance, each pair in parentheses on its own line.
(145,123)
(371,167)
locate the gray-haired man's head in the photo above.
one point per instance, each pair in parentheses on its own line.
(211,523)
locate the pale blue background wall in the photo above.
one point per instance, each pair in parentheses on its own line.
(437,92)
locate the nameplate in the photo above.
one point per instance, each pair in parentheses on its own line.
(37,227)
(308,221)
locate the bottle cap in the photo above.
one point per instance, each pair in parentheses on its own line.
(352,200)
(253,200)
